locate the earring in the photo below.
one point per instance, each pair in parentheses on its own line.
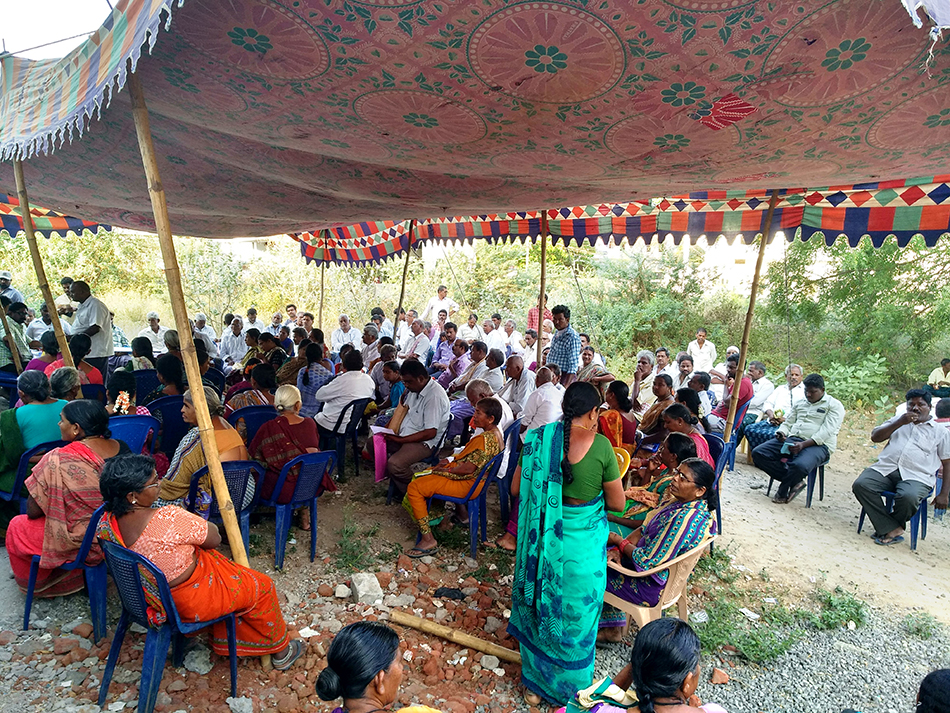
(135,502)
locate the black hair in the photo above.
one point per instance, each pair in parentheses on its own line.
(290,305)
(498,355)
(918,394)
(733,358)
(579,398)
(495,316)
(392,366)
(352,360)
(693,404)
(704,476)
(491,407)
(228,318)
(531,333)
(562,309)
(814,381)
(588,348)
(664,350)
(703,378)
(472,315)
(49,343)
(79,346)
(122,380)
(414,368)
(585,336)
(170,368)
(143,347)
(664,653)
(480,345)
(300,332)
(680,411)
(383,341)
(377,311)
(253,333)
(944,362)
(684,357)
(33,383)
(681,446)
(621,392)
(451,325)
(90,416)
(357,654)
(122,475)
(942,409)
(757,365)
(666,379)
(314,354)
(316,334)
(267,337)
(265,375)
(934,693)
(345,349)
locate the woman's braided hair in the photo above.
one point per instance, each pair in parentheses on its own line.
(579,398)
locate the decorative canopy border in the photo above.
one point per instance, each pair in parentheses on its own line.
(46,222)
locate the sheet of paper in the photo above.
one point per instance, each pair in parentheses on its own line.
(381,429)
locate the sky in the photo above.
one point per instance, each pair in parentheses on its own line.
(27,24)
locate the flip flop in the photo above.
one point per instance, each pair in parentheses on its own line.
(796,489)
(888,541)
(415,553)
(295,651)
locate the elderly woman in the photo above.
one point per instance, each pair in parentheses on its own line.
(171,377)
(50,352)
(670,531)
(173,343)
(204,583)
(65,384)
(364,668)
(190,456)
(619,422)
(79,346)
(64,492)
(777,407)
(593,373)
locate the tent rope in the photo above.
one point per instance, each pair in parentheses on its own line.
(458,285)
(788,317)
(577,284)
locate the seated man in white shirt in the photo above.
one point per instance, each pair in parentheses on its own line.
(43,324)
(494,376)
(519,386)
(762,389)
(233,346)
(154,332)
(475,370)
(370,351)
(201,324)
(470,331)
(349,385)
(917,447)
(417,346)
(344,334)
(684,364)
(494,338)
(513,338)
(543,405)
(463,409)
(252,322)
(663,364)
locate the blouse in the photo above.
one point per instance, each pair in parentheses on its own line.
(169,539)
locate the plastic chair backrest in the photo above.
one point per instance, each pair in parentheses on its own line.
(309,482)
(87,539)
(133,430)
(512,445)
(146,381)
(125,566)
(24,467)
(174,427)
(218,377)
(716,446)
(488,471)
(356,409)
(238,474)
(254,417)
(623,460)
(445,434)
(94,392)
(679,572)
(740,416)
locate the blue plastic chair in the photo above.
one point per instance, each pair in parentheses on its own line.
(307,489)
(126,568)
(433,459)
(254,417)
(338,440)
(815,474)
(477,515)
(719,451)
(174,427)
(95,576)
(8,381)
(918,521)
(733,441)
(94,392)
(218,378)
(134,430)
(146,381)
(511,446)
(239,475)
(23,472)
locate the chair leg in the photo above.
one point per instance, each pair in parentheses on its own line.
(811,487)
(356,455)
(178,650)
(34,572)
(390,492)
(504,499)
(683,607)
(821,483)
(157,642)
(231,626)
(861,520)
(473,519)
(120,630)
(341,458)
(768,490)
(97,584)
(483,512)
(281,531)
(313,530)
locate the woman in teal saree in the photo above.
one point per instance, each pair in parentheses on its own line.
(568,472)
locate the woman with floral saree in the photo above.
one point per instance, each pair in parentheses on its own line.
(619,422)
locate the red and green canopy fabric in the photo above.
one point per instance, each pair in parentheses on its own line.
(46,222)
(286,116)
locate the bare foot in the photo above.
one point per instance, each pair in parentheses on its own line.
(613,635)
(507,542)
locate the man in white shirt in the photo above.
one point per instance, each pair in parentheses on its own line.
(64,303)
(422,428)
(494,338)
(520,384)
(344,334)
(349,385)
(513,339)
(663,364)
(440,301)
(475,370)
(717,376)
(470,331)
(198,336)
(384,326)
(494,375)
(684,370)
(543,405)
(201,325)
(233,346)
(276,322)
(370,350)
(252,322)
(43,324)
(154,332)
(917,447)
(702,351)
(418,344)
(762,389)
(93,319)
(291,320)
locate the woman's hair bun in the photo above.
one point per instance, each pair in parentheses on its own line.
(328,685)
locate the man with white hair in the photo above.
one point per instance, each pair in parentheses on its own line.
(513,339)
(154,332)
(11,293)
(519,386)
(494,338)
(370,350)
(276,322)
(201,325)
(344,334)
(233,346)
(418,345)
(641,390)
(543,405)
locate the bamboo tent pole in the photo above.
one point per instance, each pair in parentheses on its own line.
(405,269)
(173,276)
(744,344)
(11,342)
(544,257)
(38,262)
(323,271)
(457,637)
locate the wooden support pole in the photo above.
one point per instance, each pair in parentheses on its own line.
(457,637)
(405,270)
(11,342)
(38,262)
(173,276)
(544,258)
(746,330)
(323,272)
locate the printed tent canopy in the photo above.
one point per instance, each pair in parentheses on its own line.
(273,116)
(45,221)
(899,208)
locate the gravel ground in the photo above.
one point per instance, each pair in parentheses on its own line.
(876,667)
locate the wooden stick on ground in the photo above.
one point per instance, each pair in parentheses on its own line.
(38,262)
(456,637)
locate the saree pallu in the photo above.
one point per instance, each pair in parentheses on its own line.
(612,425)
(590,372)
(560,574)
(277,443)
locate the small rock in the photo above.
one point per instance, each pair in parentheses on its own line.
(40,624)
(333,626)
(491,662)
(198,660)
(719,677)
(470,563)
(7,637)
(452,568)
(175,686)
(428,559)
(492,624)
(324,590)
(240,705)
(307,632)
(366,589)
(84,630)
(342,591)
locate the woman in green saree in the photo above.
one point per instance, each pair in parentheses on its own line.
(568,472)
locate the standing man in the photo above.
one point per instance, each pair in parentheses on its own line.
(439,302)
(64,303)
(291,320)
(154,332)
(806,440)
(702,351)
(565,345)
(916,447)
(11,293)
(533,322)
(43,324)
(93,319)
(16,318)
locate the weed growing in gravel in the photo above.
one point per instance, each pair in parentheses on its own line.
(354,551)
(757,641)
(921,624)
(836,609)
(718,563)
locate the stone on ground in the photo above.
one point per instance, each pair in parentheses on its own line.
(240,705)
(366,589)
(198,660)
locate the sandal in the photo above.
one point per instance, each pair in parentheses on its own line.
(889,540)
(415,553)
(295,650)
(531,698)
(796,489)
